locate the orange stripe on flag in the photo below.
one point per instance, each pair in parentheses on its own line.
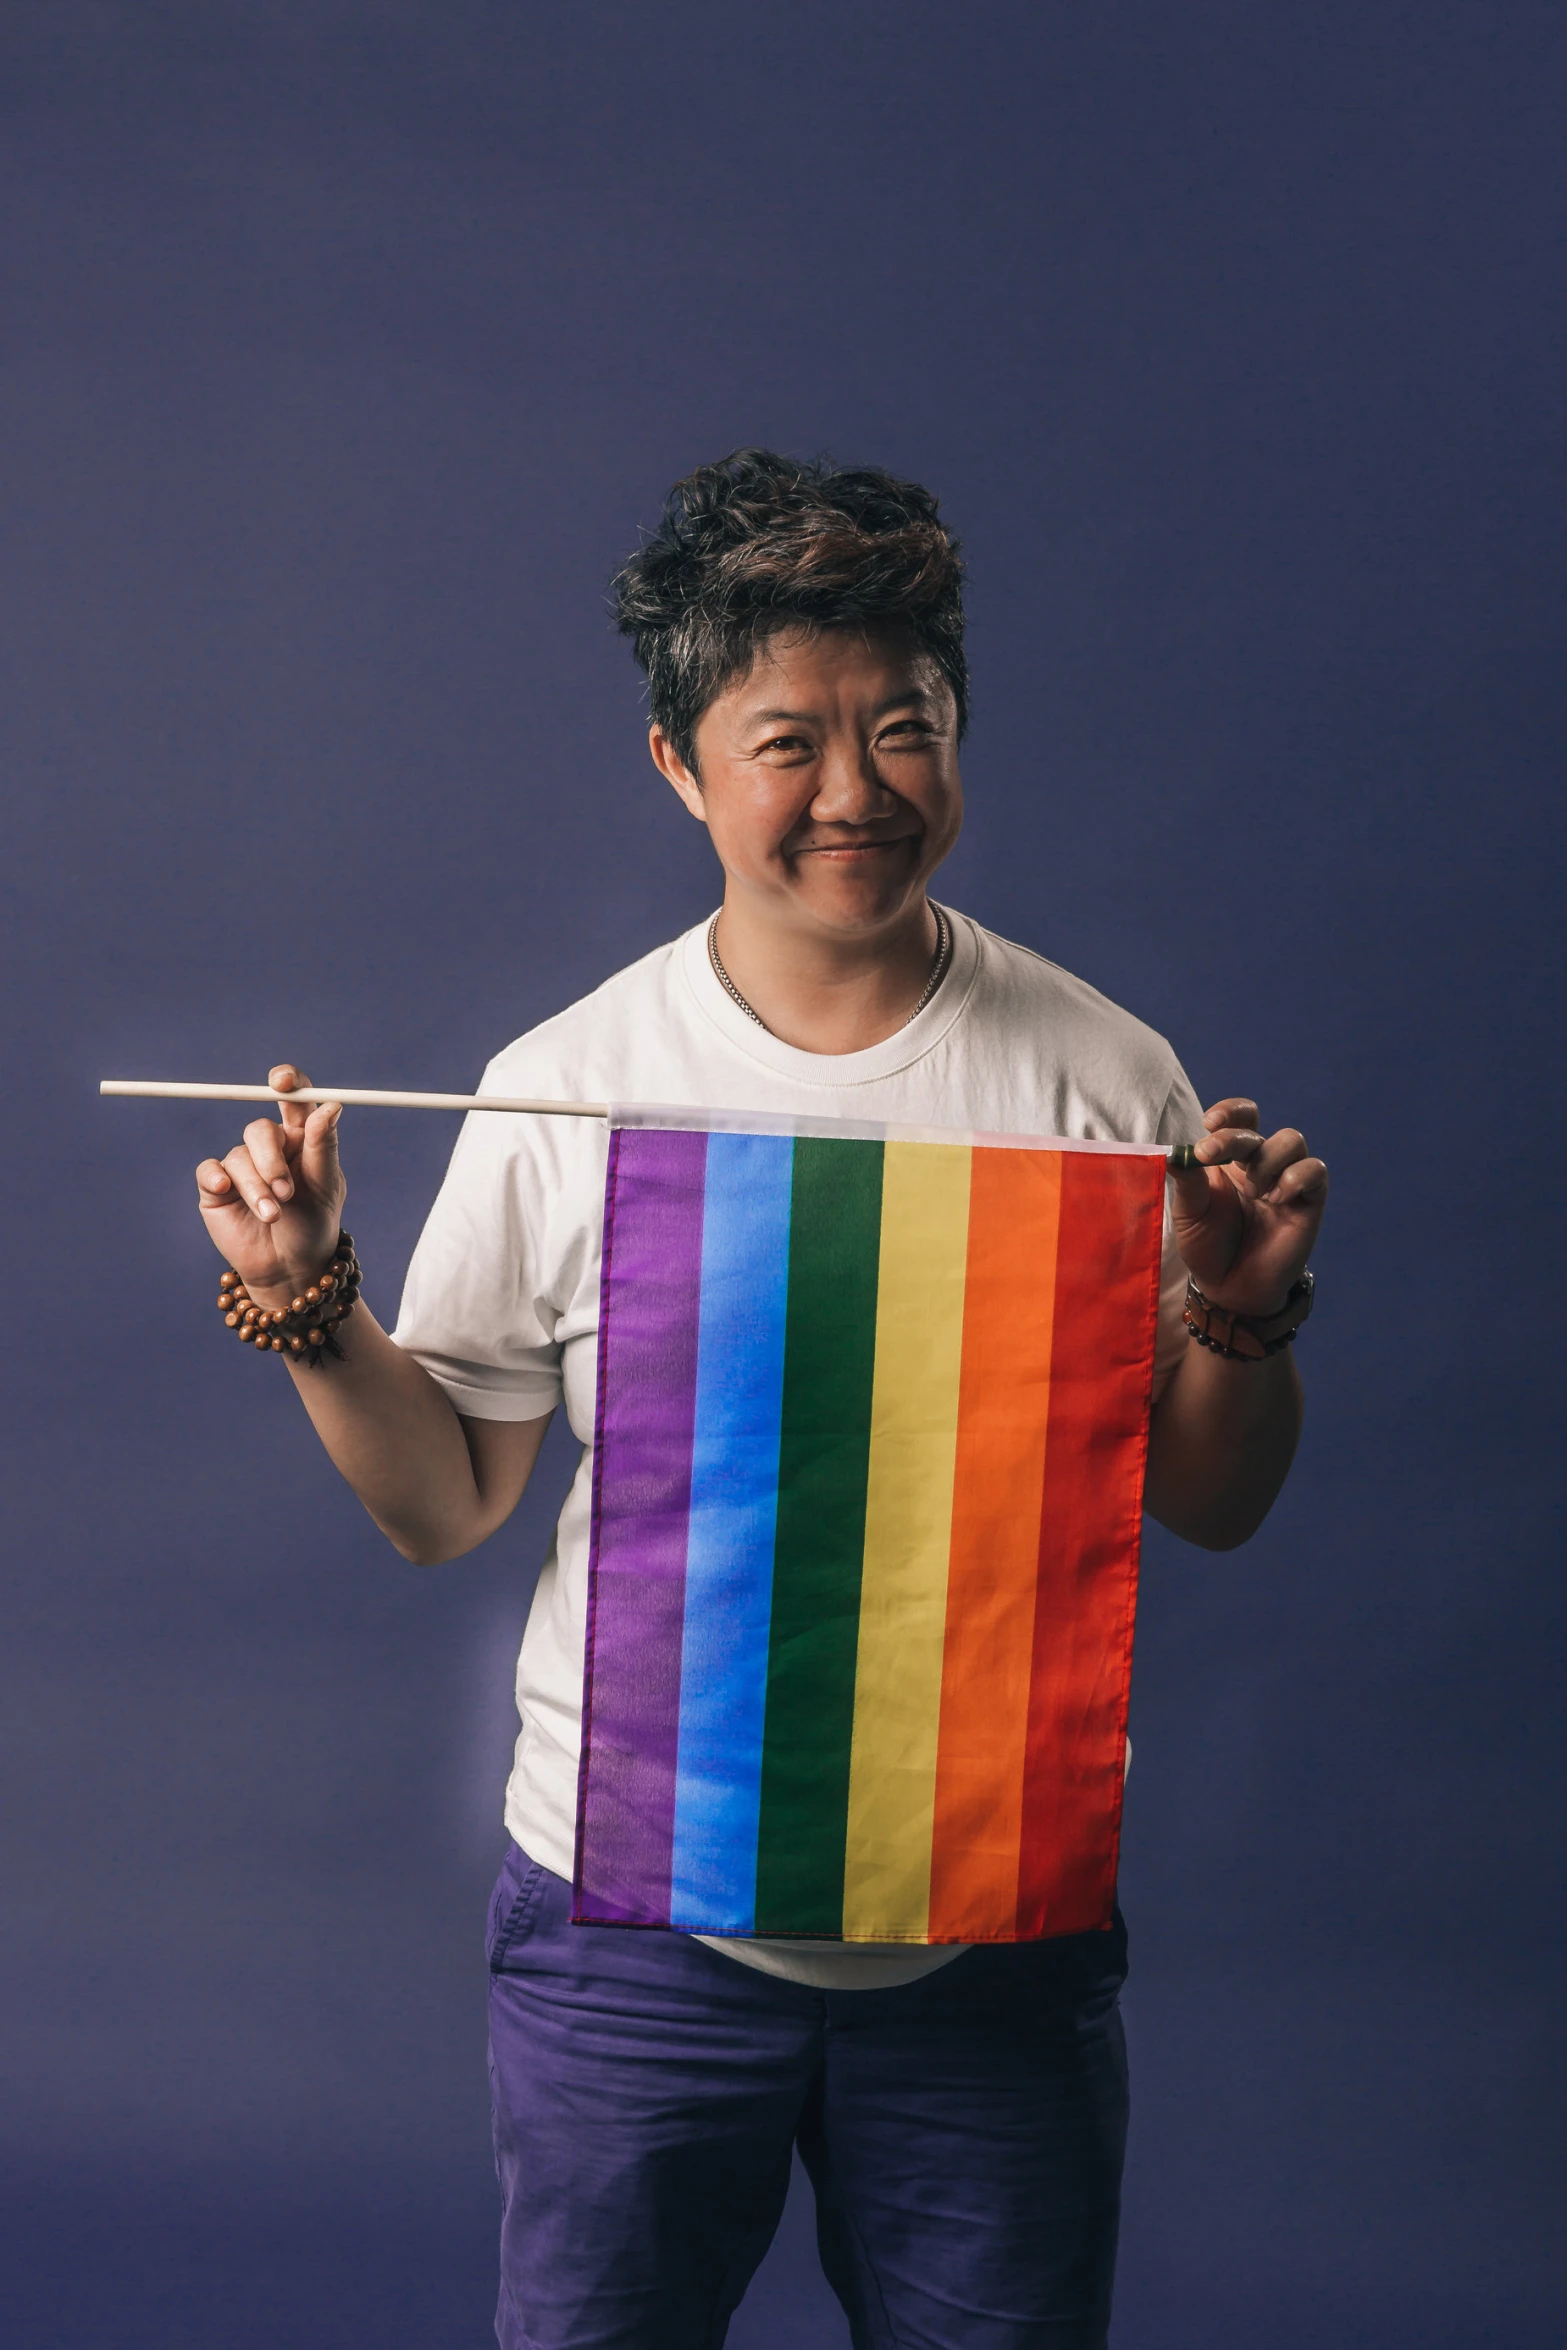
(1107,1296)
(1003,1401)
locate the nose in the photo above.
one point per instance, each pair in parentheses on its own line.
(848,788)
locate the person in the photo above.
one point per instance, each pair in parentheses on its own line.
(961,2114)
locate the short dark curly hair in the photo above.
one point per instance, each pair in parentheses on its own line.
(756,544)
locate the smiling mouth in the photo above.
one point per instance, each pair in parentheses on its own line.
(847,849)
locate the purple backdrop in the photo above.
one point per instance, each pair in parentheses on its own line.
(344,347)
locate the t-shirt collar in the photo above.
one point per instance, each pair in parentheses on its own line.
(835,1070)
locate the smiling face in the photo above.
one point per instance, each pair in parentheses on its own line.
(828,778)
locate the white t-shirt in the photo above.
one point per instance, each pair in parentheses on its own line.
(502,1296)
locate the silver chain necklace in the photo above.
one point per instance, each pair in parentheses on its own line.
(938,970)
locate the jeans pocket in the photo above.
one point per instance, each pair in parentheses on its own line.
(516,1922)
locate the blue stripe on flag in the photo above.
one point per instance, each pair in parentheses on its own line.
(734,1509)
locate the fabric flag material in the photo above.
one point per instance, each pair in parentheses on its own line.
(871,1431)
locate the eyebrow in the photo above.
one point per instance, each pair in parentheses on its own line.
(913,693)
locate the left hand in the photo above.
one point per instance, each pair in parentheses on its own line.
(1246,1218)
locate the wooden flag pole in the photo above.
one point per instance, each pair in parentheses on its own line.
(1182,1155)
(360,1097)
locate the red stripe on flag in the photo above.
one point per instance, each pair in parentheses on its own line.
(1106,1304)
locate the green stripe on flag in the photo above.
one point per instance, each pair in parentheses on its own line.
(829,1361)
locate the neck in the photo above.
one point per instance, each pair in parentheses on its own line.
(826,991)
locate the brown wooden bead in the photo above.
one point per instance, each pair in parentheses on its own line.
(245,1336)
(298,1306)
(312,1296)
(277,1346)
(327,1284)
(228,1281)
(232,1320)
(318,1337)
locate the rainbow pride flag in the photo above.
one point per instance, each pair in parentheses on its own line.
(871,1430)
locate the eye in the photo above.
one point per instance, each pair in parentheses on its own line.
(907,734)
(786,742)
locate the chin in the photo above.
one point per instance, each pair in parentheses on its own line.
(859,902)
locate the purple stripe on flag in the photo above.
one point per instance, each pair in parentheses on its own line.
(649,1306)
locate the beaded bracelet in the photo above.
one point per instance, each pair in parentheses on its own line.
(304,1329)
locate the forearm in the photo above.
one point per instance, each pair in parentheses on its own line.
(1221,1442)
(395,1437)
(435,1483)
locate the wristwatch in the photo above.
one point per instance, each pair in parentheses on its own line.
(1247,1338)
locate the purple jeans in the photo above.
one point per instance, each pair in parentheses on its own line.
(964,2136)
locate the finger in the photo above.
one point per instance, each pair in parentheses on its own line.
(283,1079)
(1281,1150)
(318,1161)
(215,1185)
(1230,1146)
(1304,1184)
(1237,1109)
(252,1187)
(1206,1189)
(264,1141)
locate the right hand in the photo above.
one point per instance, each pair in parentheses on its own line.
(274,1206)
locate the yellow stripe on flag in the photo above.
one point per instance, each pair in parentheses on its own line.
(908,1528)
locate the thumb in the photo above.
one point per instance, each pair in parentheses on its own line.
(318,1157)
(1193,1192)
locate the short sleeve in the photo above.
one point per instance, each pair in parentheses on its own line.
(1179,1121)
(483,1302)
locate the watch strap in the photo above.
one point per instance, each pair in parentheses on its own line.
(1247,1338)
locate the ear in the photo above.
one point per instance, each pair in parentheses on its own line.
(675,772)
